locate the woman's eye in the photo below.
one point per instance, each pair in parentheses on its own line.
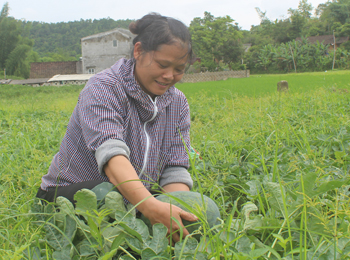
(162,66)
(180,71)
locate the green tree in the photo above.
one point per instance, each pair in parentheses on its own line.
(217,41)
(16,63)
(9,35)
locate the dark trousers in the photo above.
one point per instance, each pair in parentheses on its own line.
(66,191)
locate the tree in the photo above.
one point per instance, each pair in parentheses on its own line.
(216,41)
(15,64)
(9,35)
(13,47)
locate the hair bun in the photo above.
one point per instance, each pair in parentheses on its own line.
(141,24)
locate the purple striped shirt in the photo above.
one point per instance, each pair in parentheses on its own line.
(114,116)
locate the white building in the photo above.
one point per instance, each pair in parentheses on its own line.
(102,50)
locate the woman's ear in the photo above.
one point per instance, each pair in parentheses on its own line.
(137,50)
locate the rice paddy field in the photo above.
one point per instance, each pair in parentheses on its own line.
(276,164)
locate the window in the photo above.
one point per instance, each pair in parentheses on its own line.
(115,43)
(91,70)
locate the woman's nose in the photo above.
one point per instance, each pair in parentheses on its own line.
(168,74)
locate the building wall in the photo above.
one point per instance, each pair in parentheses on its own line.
(50,69)
(100,53)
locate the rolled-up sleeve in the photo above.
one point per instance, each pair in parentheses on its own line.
(176,175)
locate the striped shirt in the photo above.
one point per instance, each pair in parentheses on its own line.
(115,116)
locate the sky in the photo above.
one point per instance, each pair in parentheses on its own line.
(242,11)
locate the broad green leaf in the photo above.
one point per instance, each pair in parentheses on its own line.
(148,254)
(243,245)
(256,253)
(101,190)
(114,201)
(254,223)
(118,241)
(276,198)
(85,201)
(187,246)
(85,248)
(59,239)
(65,205)
(112,233)
(133,226)
(328,186)
(64,254)
(159,241)
(309,183)
(135,244)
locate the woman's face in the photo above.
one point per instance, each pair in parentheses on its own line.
(156,71)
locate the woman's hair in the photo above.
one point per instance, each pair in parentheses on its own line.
(153,30)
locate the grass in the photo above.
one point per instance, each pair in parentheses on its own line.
(276,164)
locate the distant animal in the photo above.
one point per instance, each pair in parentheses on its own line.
(282,86)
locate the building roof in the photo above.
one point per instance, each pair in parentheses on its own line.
(126,33)
(29,81)
(71,77)
(5,81)
(325,39)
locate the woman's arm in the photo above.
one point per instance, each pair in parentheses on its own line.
(122,174)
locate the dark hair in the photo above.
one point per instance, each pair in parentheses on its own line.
(153,30)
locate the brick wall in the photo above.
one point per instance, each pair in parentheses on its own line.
(214,76)
(50,69)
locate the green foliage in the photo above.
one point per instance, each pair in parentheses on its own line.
(215,40)
(275,164)
(297,56)
(16,62)
(13,47)
(90,230)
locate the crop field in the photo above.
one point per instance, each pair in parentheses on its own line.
(276,164)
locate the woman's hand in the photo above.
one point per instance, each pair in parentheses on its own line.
(162,212)
(121,173)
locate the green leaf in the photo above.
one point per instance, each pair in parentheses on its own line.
(256,253)
(159,241)
(328,186)
(187,246)
(111,235)
(309,183)
(85,248)
(108,255)
(94,230)
(148,254)
(126,257)
(64,254)
(65,205)
(276,198)
(118,241)
(85,201)
(101,190)
(59,239)
(114,201)
(135,244)
(243,245)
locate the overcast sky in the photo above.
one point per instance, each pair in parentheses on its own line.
(242,11)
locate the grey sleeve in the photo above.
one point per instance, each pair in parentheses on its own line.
(176,175)
(109,149)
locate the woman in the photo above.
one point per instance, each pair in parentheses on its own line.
(131,126)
